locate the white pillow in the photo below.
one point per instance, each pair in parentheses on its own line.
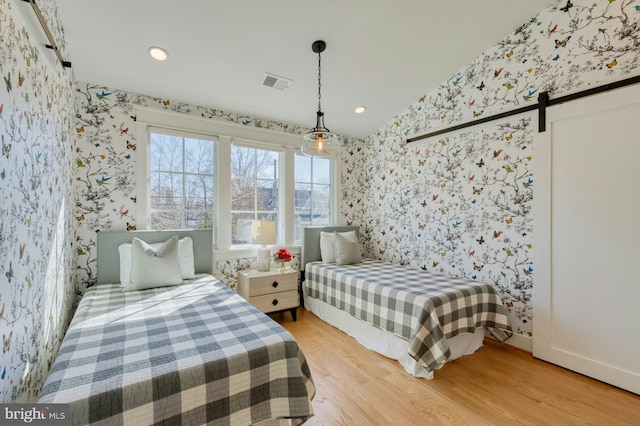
(347,251)
(185,254)
(326,247)
(151,267)
(125,263)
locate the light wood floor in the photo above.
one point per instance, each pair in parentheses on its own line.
(497,385)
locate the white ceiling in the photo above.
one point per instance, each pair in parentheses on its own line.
(382,54)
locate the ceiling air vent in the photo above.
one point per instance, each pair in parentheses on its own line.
(275,82)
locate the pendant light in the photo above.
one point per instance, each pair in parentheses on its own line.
(320,141)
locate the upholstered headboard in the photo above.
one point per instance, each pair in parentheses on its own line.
(109,257)
(311,241)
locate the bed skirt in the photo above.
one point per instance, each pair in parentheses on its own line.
(386,343)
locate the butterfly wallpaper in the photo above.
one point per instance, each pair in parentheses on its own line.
(37,291)
(460,204)
(105,167)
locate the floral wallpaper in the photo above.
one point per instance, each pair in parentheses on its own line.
(105,167)
(226,270)
(460,204)
(37,292)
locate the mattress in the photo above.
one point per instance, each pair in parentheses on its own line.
(423,308)
(192,354)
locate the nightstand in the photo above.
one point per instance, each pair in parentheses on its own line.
(270,291)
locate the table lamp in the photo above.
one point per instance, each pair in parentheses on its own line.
(263,232)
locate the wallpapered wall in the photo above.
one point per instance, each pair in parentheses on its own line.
(105,160)
(36,261)
(460,204)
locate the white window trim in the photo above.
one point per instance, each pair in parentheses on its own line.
(180,134)
(214,127)
(226,133)
(222,213)
(282,212)
(287,187)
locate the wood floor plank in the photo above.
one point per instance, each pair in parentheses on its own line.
(496,385)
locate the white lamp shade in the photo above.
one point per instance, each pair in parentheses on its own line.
(263,232)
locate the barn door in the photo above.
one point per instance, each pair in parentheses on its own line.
(586,293)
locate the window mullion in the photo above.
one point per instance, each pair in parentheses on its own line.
(335,190)
(286,205)
(255,184)
(184,186)
(311,185)
(223,194)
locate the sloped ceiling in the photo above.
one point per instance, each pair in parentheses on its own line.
(381,54)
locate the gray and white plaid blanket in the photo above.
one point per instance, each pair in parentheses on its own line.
(186,355)
(419,306)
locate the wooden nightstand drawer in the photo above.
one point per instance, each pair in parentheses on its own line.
(276,301)
(273,283)
(270,291)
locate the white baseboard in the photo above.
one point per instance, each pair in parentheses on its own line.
(517,341)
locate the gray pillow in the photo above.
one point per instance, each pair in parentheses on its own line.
(346,250)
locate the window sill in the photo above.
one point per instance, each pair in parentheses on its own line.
(249,251)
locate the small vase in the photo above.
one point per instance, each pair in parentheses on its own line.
(281,267)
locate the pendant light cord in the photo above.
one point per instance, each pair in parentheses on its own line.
(319,82)
(320,141)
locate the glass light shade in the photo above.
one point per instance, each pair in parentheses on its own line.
(320,141)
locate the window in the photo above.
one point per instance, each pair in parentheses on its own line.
(254,189)
(193,179)
(182,182)
(313,194)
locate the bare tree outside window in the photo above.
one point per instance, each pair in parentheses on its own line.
(254,189)
(182,182)
(182,176)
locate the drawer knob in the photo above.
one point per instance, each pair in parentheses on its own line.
(275,284)
(275,302)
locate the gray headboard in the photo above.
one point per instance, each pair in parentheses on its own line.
(109,257)
(311,241)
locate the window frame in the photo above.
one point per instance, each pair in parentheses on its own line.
(183,173)
(312,183)
(226,134)
(280,208)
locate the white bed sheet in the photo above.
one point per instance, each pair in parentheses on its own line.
(386,343)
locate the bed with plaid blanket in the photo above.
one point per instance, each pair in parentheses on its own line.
(423,308)
(192,354)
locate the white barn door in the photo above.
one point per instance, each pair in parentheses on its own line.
(586,293)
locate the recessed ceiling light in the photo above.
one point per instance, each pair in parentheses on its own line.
(360,109)
(158,53)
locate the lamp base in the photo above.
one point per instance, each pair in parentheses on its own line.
(263,262)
